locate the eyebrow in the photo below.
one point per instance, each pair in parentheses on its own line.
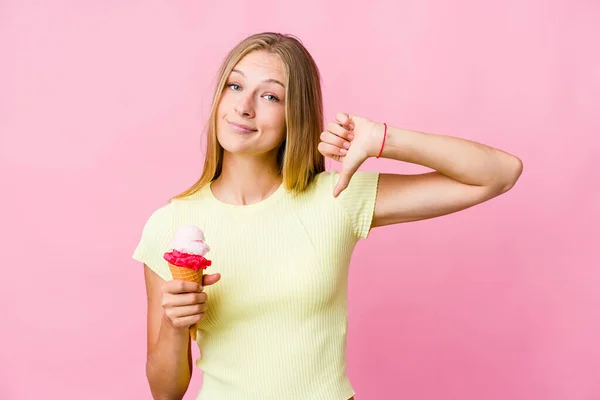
(266,80)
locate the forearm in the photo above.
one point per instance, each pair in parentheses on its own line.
(462,160)
(167,367)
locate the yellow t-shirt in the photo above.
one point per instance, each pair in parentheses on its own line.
(277,320)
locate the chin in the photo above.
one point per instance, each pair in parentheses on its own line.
(247,149)
(246,145)
(240,150)
(236,145)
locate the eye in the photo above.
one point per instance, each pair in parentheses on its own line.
(270,97)
(234,87)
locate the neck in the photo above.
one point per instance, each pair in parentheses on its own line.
(246,179)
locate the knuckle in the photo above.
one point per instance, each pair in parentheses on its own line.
(165,301)
(195,318)
(178,323)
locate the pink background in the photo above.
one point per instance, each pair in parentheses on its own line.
(101,109)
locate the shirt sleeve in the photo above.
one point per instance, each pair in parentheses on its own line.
(154,241)
(358,200)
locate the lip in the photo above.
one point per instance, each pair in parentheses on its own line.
(241,128)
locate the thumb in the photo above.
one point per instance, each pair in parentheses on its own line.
(210,279)
(345,119)
(348,169)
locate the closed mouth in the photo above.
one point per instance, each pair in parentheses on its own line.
(241,127)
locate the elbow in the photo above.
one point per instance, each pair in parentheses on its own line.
(511,173)
(165,397)
(162,390)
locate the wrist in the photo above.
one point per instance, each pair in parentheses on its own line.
(378,135)
(171,330)
(402,144)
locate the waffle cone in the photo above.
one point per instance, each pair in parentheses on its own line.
(187,274)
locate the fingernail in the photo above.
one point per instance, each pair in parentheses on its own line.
(343,151)
(350,136)
(346,145)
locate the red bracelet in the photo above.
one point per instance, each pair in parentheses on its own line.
(383,142)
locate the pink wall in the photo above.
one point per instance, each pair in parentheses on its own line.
(101,108)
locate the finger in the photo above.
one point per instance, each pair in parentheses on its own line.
(186,311)
(184,299)
(335,140)
(329,150)
(188,321)
(180,286)
(210,279)
(340,131)
(345,120)
(347,171)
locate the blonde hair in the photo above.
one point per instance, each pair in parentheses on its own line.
(298,159)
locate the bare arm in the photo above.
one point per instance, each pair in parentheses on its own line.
(169,356)
(466,173)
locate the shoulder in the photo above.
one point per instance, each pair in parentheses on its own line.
(160,216)
(163,218)
(362,189)
(361,181)
(158,225)
(155,237)
(357,201)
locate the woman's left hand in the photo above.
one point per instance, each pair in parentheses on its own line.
(350,140)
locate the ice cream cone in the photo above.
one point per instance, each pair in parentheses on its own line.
(187,274)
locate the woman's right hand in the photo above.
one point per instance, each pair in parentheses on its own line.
(184,303)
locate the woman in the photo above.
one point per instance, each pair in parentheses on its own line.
(282,230)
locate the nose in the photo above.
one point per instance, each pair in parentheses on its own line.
(244,106)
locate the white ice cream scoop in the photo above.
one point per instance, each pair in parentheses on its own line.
(190,239)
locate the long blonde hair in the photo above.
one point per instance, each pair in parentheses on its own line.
(298,159)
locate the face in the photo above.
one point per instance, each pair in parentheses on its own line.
(251,112)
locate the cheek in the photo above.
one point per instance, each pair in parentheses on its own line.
(276,121)
(222,107)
